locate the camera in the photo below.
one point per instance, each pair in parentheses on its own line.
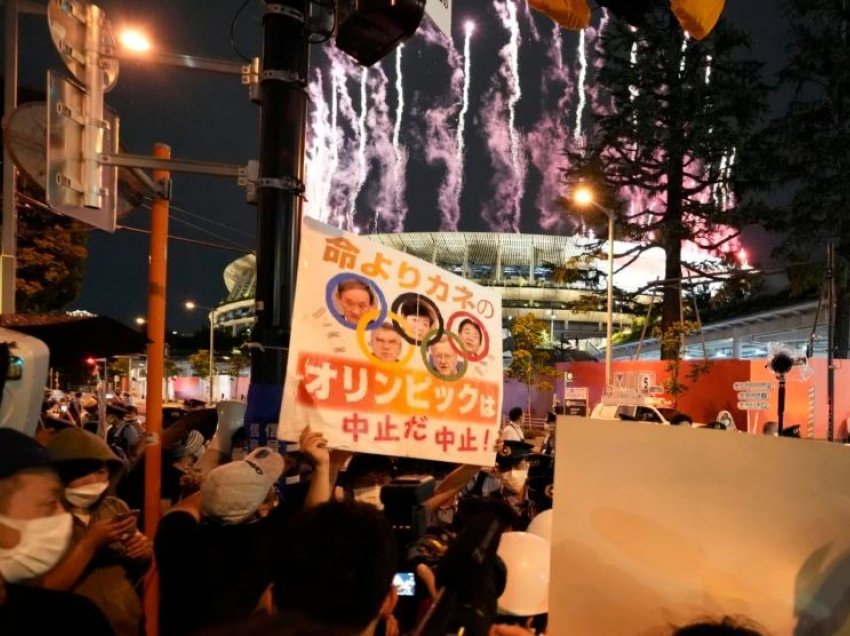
(471,578)
(404,506)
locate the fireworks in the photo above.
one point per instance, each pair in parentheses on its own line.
(418,109)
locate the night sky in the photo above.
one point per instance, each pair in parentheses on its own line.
(209,117)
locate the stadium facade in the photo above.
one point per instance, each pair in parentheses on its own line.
(546,275)
(540,274)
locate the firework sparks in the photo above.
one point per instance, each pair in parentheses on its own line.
(582,80)
(460,141)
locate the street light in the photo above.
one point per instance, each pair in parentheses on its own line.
(135,45)
(140,320)
(191,305)
(583,196)
(134,40)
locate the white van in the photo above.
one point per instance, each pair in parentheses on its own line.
(638,409)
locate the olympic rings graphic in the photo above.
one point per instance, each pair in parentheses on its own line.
(430,337)
(361,341)
(330,292)
(468,355)
(421,303)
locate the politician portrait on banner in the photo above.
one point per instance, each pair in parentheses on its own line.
(390,354)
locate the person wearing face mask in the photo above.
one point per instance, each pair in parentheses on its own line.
(235,523)
(108,554)
(506,484)
(35,531)
(365,476)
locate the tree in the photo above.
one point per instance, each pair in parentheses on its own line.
(51,256)
(119,367)
(169,368)
(673,116)
(237,363)
(813,137)
(200,363)
(530,362)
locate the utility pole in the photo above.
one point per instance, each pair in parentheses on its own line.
(283,119)
(9,227)
(830,341)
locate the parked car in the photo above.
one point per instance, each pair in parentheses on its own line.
(636,409)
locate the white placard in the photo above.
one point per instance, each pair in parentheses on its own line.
(440,11)
(657,526)
(391,354)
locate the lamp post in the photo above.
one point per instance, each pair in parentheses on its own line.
(583,196)
(191,305)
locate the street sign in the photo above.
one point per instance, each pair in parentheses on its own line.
(754,386)
(576,393)
(65,184)
(440,11)
(646,380)
(752,406)
(69,23)
(25,136)
(753,395)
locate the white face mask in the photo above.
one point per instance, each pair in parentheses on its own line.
(85,496)
(515,479)
(370,495)
(43,543)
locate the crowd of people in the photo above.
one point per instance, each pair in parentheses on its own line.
(251,540)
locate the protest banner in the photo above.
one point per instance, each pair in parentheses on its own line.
(656,526)
(390,354)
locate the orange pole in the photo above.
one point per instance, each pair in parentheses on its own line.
(157,272)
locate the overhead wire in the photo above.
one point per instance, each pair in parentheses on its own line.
(233,247)
(233,24)
(184,239)
(201,217)
(203,230)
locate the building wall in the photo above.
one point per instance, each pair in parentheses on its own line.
(805,401)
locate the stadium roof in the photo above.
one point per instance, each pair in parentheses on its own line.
(482,248)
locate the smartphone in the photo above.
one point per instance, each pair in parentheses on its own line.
(405,583)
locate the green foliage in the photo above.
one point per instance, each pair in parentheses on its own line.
(169,368)
(119,367)
(530,362)
(200,363)
(812,138)
(671,340)
(659,152)
(50,259)
(237,364)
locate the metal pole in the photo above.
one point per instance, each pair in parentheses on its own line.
(830,341)
(283,120)
(92,128)
(10,213)
(157,277)
(212,353)
(609,326)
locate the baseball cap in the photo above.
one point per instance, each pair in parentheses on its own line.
(19,452)
(512,452)
(233,492)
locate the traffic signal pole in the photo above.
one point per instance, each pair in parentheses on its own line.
(283,122)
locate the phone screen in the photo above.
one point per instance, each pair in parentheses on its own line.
(405,582)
